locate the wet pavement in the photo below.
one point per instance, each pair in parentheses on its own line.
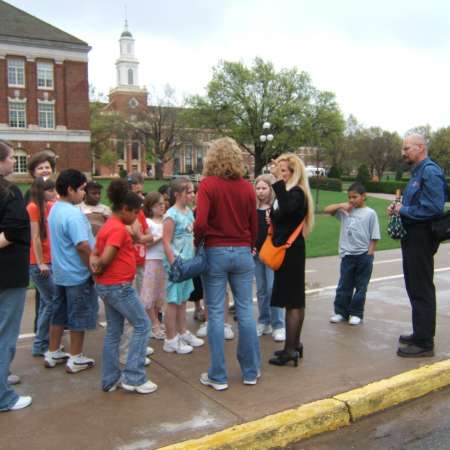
(71,412)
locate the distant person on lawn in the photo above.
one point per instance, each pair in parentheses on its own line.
(360,232)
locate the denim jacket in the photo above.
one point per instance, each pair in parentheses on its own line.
(424,196)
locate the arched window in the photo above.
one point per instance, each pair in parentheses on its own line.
(130,77)
(21,165)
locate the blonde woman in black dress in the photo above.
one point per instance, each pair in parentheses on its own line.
(293,204)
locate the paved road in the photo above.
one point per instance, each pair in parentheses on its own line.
(71,412)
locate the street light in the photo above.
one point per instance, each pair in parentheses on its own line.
(266,136)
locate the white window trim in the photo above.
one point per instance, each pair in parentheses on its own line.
(18,152)
(47,102)
(23,86)
(18,100)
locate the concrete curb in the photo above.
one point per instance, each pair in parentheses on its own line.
(281,429)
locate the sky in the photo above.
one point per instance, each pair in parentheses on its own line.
(388,62)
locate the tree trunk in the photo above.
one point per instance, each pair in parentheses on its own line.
(259,162)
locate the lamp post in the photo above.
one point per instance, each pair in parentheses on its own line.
(266,136)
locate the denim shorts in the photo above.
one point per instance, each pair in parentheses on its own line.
(76,306)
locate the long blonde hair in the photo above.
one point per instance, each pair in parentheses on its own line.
(300,178)
(269,180)
(224,159)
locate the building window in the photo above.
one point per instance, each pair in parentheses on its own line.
(46,112)
(199,165)
(17,114)
(45,75)
(135,150)
(188,158)
(120,150)
(176,162)
(16,72)
(21,164)
(130,76)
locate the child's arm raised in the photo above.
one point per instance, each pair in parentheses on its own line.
(168,229)
(332,209)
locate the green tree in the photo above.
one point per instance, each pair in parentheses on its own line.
(440,148)
(163,127)
(108,159)
(103,127)
(240,99)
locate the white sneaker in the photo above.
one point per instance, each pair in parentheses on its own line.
(149,351)
(13,379)
(203,330)
(53,358)
(147,388)
(159,334)
(77,363)
(336,318)
(22,402)
(123,360)
(207,382)
(188,338)
(114,386)
(263,329)
(176,345)
(354,320)
(279,334)
(228,332)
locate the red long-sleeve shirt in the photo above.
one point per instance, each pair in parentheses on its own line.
(226,213)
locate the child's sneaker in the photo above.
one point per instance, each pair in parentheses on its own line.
(149,351)
(263,329)
(176,345)
(279,334)
(22,402)
(77,363)
(147,388)
(203,330)
(204,379)
(354,320)
(158,333)
(53,358)
(13,379)
(228,332)
(336,318)
(188,338)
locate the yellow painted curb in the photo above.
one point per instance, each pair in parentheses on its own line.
(276,430)
(398,389)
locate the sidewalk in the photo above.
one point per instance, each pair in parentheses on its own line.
(71,412)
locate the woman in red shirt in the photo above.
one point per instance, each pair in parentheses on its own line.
(41,194)
(114,264)
(226,221)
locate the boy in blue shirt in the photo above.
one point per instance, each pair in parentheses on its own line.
(360,232)
(75,304)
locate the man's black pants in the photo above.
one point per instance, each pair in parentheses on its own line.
(418,249)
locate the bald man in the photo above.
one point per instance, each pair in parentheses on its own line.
(423,200)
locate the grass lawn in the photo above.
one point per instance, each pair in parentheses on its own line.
(323,241)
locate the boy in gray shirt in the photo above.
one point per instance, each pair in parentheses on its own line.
(360,232)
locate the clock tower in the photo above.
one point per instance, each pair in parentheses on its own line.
(127,98)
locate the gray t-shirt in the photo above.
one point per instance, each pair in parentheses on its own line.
(358,228)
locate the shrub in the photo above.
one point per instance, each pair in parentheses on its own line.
(363,174)
(326,184)
(385,187)
(334,172)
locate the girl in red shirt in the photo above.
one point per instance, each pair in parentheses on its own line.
(40,261)
(114,265)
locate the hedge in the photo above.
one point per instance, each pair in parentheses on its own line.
(385,187)
(326,184)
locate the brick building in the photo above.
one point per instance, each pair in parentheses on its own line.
(44,102)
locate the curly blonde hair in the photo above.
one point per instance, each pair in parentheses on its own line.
(300,178)
(224,159)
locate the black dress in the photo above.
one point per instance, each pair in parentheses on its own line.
(289,282)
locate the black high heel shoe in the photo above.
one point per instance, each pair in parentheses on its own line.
(299,351)
(284,358)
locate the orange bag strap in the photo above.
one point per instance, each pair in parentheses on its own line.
(295,234)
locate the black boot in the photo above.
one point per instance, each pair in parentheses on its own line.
(284,358)
(299,351)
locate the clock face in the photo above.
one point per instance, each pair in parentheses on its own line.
(133,103)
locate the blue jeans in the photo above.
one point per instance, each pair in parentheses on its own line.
(46,289)
(356,271)
(122,302)
(264,283)
(12,302)
(234,265)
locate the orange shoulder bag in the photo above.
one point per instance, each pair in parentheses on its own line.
(273,256)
